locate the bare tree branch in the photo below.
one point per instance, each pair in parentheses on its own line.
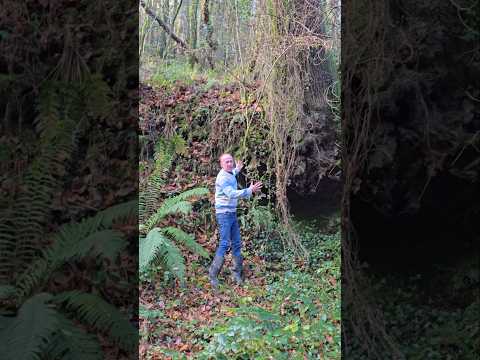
(164,26)
(176,12)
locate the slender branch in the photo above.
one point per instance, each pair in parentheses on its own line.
(176,13)
(164,26)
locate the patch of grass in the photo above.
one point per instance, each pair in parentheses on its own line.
(167,75)
(170,74)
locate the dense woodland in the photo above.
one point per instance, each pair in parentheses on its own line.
(257,79)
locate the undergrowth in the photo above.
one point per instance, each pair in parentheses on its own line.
(429,330)
(168,75)
(289,306)
(300,321)
(430,324)
(296,315)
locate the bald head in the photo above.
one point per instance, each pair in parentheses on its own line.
(224,155)
(226,162)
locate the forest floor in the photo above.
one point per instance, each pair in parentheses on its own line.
(287,308)
(276,310)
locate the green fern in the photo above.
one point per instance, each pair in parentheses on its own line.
(97,93)
(20,239)
(49,111)
(174,205)
(195,192)
(157,249)
(179,144)
(150,190)
(182,207)
(117,213)
(73,343)
(53,333)
(95,312)
(104,243)
(159,246)
(187,240)
(7,291)
(150,193)
(91,237)
(31,210)
(63,110)
(35,327)
(39,328)
(25,336)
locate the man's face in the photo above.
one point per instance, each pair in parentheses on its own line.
(226,162)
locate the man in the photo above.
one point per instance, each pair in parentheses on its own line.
(226,198)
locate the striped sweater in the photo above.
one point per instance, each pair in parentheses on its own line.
(226,193)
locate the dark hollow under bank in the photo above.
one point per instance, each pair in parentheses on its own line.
(443,230)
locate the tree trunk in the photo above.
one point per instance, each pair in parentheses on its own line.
(209,34)
(162,10)
(193,21)
(143,35)
(175,11)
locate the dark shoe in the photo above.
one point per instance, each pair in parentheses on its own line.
(238,269)
(214,269)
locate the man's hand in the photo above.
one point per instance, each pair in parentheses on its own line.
(256,187)
(239,165)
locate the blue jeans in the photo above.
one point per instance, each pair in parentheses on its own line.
(229,232)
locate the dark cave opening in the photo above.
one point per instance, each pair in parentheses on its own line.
(444,229)
(320,205)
